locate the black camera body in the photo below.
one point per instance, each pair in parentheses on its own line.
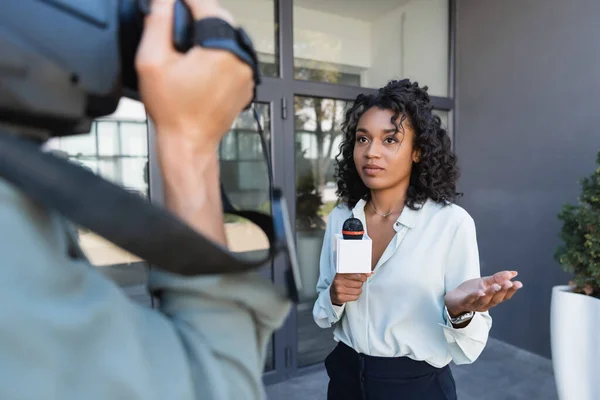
(65,62)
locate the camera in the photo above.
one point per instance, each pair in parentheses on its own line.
(65,62)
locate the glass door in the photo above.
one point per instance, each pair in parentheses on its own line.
(317,138)
(244,176)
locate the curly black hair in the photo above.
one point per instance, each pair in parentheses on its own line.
(433,177)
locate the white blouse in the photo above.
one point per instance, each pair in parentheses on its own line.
(401,310)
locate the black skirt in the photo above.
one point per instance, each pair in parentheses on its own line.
(354,376)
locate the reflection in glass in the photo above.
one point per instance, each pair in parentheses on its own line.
(245,180)
(243,166)
(371,42)
(257,17)
(116,149)
(318,136)
(246,183)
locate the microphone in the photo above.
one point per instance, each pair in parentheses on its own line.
(353,229)
(351,250)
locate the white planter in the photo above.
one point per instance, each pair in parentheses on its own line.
(575,337)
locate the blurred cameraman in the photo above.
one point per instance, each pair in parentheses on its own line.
(69,333)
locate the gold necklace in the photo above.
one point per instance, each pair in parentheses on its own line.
(380,214)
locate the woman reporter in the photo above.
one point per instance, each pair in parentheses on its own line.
(425,303)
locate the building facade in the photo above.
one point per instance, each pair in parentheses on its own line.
(514,85)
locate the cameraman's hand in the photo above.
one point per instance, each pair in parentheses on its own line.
(192,97)
(347,287)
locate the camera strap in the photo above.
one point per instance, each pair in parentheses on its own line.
(134,224)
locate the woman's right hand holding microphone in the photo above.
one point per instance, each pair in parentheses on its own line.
(347,287)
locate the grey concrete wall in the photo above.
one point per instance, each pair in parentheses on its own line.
(528,127)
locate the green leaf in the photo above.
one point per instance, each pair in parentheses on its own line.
(579,252)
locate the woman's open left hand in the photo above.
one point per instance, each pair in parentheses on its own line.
(481,294)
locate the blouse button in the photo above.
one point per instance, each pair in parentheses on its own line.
(397,223)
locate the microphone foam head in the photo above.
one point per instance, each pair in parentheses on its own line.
(353,229)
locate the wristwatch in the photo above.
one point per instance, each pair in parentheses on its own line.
(461,319)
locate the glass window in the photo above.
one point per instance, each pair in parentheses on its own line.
(371,42)
(135,142)
(116,149)
(249,144)
(318,136)
(108,137)
(228,148)
(243,166)
(257,17)
(246,182)
(444,117)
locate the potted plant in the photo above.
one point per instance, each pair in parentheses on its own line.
(575,309)
(309,226)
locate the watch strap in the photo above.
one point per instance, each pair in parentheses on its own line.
(215,33)
(460,319)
